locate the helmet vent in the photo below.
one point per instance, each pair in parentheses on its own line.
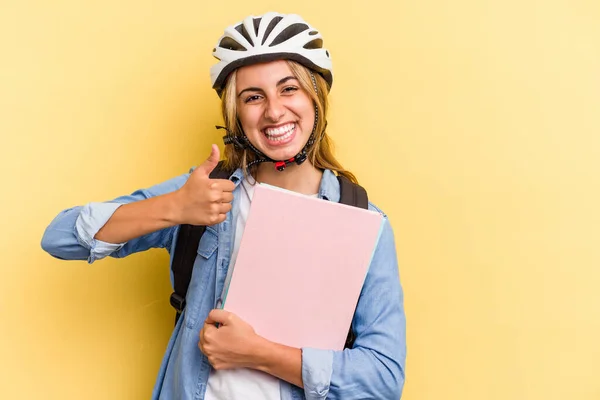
(270,28)
(256,25)
(314,44)
(231,44)
(242,29)
(289,32)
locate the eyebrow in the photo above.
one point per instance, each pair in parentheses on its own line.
(256,89)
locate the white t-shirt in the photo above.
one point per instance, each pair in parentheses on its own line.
(241,383)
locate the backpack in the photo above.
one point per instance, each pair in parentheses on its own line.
(189,238)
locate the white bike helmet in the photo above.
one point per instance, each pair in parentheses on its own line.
(269,37)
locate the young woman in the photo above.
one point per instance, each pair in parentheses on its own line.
(273,77)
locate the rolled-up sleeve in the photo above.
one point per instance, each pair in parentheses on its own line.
(317,366)
(91,219)
(70,235)
(374,368)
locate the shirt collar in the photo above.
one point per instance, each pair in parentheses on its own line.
(329,188)
(237,176)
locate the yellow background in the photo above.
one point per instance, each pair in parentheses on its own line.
(473,123)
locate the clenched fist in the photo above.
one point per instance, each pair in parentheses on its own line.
(204,201)
(232,344)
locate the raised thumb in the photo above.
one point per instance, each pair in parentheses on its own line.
(212,160)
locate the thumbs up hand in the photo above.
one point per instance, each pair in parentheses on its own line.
(202,200)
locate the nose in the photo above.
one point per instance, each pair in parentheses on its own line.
(274,110)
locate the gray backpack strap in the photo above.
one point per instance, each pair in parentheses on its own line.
(352,194)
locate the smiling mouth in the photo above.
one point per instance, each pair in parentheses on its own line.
(280,133)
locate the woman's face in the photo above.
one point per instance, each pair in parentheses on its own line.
(277,115)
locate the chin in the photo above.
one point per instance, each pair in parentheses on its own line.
(283,154)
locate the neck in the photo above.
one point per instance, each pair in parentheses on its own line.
(304,178)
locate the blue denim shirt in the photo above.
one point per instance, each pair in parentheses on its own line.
(372,369)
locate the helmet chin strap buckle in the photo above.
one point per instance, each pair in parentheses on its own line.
(280,165)
(299,159)
(235,141)
(230,138)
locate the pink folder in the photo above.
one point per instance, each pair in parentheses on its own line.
(301,266)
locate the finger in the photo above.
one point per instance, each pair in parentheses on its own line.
(217,316)
(201,344)
(226,197)
(229,186)
(216,219)
(224,185)
(206,330)
(208,326)
(212,160)
(224,208)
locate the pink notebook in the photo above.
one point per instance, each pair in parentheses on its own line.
(301,266)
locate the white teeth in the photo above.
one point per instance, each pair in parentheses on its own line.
(281,133)
(280,138)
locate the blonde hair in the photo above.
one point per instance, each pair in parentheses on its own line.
(320,154)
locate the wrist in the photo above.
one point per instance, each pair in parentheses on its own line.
(283,362)
(260,351)
(172,208)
